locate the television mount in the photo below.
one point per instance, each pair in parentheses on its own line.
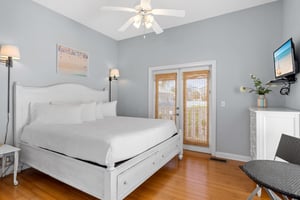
(285,83)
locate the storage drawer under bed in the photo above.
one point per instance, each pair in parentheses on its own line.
(137,174)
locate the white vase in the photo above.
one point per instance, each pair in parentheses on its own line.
(261,101)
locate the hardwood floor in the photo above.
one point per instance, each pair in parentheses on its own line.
(194,178)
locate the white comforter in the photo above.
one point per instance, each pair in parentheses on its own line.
(105,141)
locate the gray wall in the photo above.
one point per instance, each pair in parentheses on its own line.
(291,28)
(242,43)
(37,30)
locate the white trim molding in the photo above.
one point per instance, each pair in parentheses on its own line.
(231,156)
(196,148)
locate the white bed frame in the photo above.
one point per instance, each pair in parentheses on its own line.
(111,183)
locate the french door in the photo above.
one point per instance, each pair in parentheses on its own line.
(166,96)
(195,107)
(183,95)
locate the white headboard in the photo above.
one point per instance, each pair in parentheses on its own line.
(66,92)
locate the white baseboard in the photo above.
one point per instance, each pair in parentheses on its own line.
(233,156)
(229,156)
(196,148)
(10,169)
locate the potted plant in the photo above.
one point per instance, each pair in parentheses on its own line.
(260,89)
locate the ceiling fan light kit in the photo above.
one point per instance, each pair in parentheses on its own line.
(137,21)
(148,21)
(145,16)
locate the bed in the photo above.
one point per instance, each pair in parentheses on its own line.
(112,178)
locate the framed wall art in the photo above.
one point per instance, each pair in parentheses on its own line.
(71,61)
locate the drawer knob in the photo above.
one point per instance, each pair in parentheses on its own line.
(153,163)
(125,183)
(163,156)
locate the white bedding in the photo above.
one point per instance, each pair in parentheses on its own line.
(105,141)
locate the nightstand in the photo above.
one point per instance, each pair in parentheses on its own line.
(8,149)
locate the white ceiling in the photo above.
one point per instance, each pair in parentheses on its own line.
(88,13)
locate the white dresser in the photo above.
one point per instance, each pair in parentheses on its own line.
(266,127)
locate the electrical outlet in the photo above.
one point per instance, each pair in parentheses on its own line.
(223,103)
(8,159)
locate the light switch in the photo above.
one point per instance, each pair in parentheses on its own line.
(223,103)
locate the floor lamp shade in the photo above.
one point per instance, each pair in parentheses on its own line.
(7,51)
(113,75)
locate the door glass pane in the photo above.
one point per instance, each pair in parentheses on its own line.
(196,107)
(165,97)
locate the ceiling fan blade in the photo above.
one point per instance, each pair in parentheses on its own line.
(169,12)
(112,8)
(146,4)
(156,27)
(126,25)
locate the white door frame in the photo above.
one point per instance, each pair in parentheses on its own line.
(213,108)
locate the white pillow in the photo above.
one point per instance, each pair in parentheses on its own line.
(88,109)
(99,113)
(32,108)
(108,109)
(56,114)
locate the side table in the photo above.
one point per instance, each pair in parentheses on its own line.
(8,149)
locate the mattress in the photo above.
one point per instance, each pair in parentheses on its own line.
(104,141)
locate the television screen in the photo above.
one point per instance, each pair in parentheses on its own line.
(284,62)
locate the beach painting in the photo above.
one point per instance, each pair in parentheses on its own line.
(71,61)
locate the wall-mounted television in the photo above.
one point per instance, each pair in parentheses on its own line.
(285,64)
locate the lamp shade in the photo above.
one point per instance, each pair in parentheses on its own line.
(114,73)
(9,51)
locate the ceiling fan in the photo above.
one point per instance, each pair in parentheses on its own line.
(145,15)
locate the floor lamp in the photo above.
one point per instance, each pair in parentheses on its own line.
(113,75)
(8,53)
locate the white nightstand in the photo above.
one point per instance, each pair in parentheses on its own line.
(7,149)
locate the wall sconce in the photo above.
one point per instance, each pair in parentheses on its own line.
(8,53)
(113,75)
